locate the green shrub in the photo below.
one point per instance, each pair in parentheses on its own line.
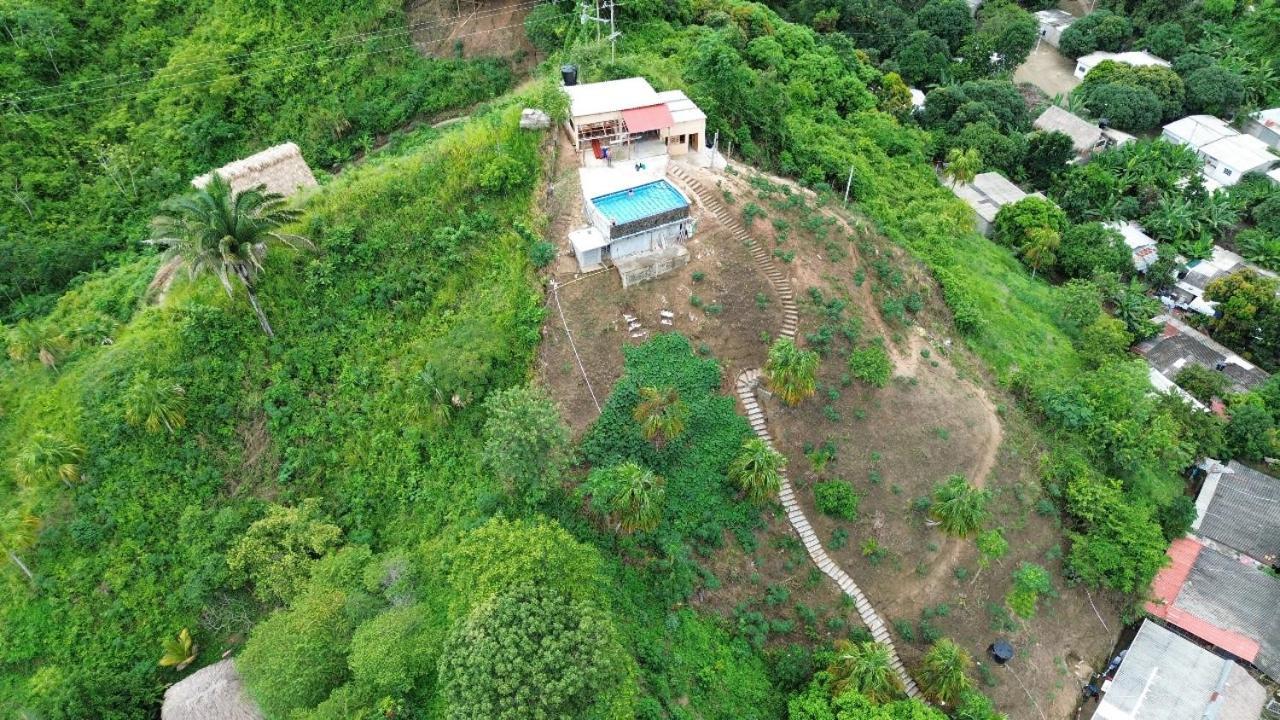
(871,365)
(837,499)
(1030,582)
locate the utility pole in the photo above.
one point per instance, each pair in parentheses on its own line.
(847,184)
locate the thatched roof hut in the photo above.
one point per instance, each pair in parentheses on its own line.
(281,168)
(214,692)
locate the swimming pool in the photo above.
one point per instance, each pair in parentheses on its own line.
(626,206)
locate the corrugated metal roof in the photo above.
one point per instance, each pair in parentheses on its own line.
(649,117)
(1243,513)
(611,96)
(1084,134)
(1167,677)
(682,108)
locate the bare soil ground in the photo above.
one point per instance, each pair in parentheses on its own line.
(1049,70)
(472,28)
(939,415)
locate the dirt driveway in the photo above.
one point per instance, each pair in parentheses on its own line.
(1048,70)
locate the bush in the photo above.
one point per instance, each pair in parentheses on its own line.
(837,499)
(960,507)
(1202,383)
(526,442)
(871,365)
(531,652)
(1030,581)
(277,552)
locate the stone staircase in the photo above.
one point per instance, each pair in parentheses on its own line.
(781,283)
(747,383)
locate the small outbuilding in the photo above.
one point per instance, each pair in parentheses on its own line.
(1265,125)
(1052,23)
(1143,246)
(1179,345)
(1194,277)
(988,193)
(214,692)
(1136,58)
(1085,136)
(281,169)
(1163,676)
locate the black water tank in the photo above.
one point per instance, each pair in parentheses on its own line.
(1000,651)
(569,73)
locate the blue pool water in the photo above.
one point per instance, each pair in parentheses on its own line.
(626,206)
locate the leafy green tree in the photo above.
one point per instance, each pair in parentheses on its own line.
(1047,156)
(1135,309)
(530,652)
(944,671)
(1099,30)
(923,58)
(963,165)
(219,231)
(865,668)
(1165,40)
(947,19)
(1251,434)
(1126,106)
(1215,90)
(395,651)
(18,530)
(1005,29)
(1104,340)
(992,546)
(1248,315)
(1015,221)
(758,470)
(1091,248)
(155,403)
(894,96)
(1122,547)
(1030,581)
(1081,303)
(632,494)
(1203,384)
(1176,517)
(526,444)
(661,414)
(960,507)
(1005,152)
(46,457)
(973,705)
(791,373)
(276,554)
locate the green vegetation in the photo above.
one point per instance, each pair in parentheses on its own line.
(790,372)
(959,507)
(944,672)
(837,499)
(864,668)
(758,470)
(871,365)
(1030,582)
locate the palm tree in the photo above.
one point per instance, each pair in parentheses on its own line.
(18,530)
(178,651)
(865,668)
(661,414)
(943,673)
(758,470)
(959,507)
(30,341)
(962,165)
(226,233)
(638,504)
(790,372)
(154,403)
(47,457)
(1041,248)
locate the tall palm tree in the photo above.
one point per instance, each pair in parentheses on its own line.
(791,373)
(758,470)
(155,403)
(962,165)
(943,673)
(661,414)
(865,668)
(638,504)
(18,530)
(1041,249)
(216,230)
(959,507)
(47,457)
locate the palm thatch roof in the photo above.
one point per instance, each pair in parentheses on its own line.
(215,692)
(281,168)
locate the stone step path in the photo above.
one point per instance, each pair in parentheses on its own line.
(747,383)
(780,282)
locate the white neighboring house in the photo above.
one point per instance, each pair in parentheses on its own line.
(1136,58)
(1227,153)
(1188,291)
(988,192)
(917,99)
(1265,125)
(1140,244)
(1052,23)
(973,6)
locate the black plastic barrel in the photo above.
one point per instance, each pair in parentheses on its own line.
(569,73)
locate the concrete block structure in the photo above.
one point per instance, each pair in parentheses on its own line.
(629,119)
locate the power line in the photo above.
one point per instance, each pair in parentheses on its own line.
(367,53)
(283,51)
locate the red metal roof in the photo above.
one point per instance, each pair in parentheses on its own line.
(1168,585)
(649,117)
